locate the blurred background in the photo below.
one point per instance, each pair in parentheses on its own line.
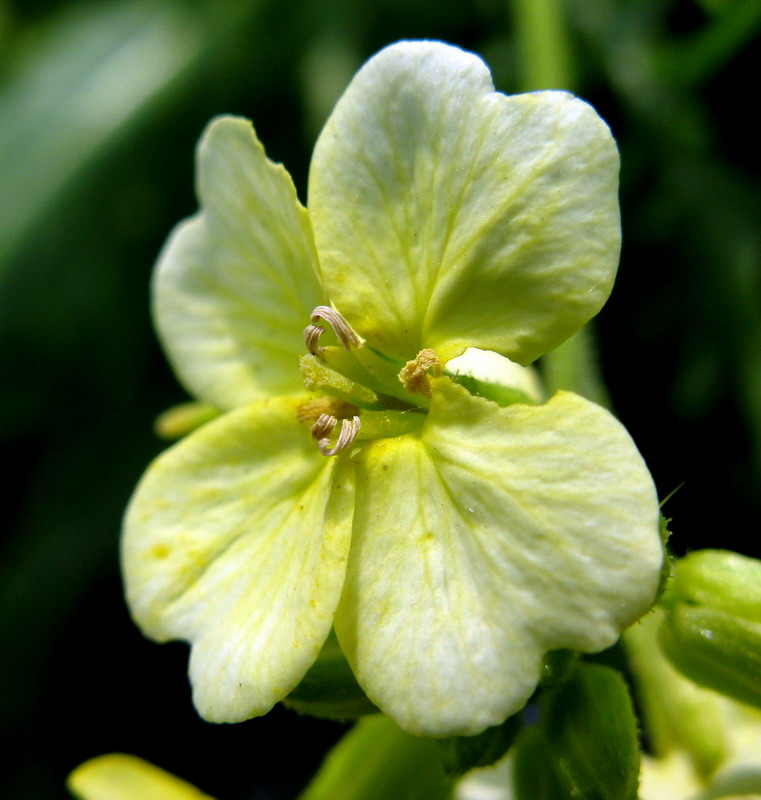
(101,105)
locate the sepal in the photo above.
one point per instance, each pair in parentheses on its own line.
(460,754)
(329,689)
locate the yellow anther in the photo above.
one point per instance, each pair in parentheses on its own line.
(414,374)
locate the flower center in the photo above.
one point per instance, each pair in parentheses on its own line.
(372,395)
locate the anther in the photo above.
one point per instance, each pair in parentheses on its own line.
(414,374)
(324,427)
(312,335)
(325,406)
(344,332)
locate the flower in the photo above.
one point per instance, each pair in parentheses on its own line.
(451,535)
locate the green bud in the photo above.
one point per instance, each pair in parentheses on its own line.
(720,579)
(712,629)
(557,665)
(716,649)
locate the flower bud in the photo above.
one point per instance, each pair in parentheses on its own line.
(712,630)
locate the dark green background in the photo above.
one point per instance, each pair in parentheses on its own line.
(100,108)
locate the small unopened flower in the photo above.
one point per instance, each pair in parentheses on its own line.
(367,475)
(119,776)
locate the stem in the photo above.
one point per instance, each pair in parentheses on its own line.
(574,366)
(546,61)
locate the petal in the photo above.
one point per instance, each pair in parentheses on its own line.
(448,215)
(482,371)
(236,540)
(496,535)
(235,284)
(118,776)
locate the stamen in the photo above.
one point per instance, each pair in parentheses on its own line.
(323,428)
(344,332)
(312,335)
(312,409)
(414,374)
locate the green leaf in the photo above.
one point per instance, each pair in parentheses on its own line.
(592,735)
(463,753)
(534,773)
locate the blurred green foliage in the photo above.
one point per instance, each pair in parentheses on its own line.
(100,108)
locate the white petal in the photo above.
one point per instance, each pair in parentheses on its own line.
(235,285)
(447,214)
(494,536)
(236,541)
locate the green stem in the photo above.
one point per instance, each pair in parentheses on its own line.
(574,366)
(546,61)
